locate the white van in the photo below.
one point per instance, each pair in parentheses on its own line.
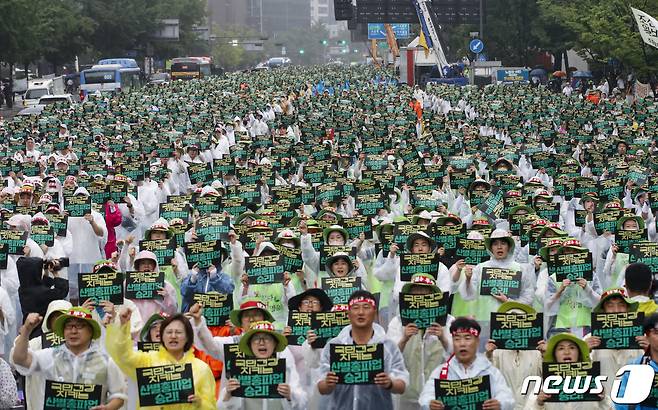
(42,87)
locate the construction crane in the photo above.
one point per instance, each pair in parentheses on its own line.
(427,27)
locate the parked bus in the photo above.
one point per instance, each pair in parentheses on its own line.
(112,75)
(187,68)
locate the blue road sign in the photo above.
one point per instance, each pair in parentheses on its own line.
(376,31)
(476,45)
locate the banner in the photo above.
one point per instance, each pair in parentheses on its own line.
(148,346)
(59,223)
(499,280)
(14,240)
(50,339)
(43,235)
(472,251)
(357,225)
(144,285)
(161,385)
(216,307)
(514,331)
(300,324)
(413,263)
(60,395)
(171,210)
(571,266)
(571,369)
(263,270)
(292,258)
(624,239)
(164,249)
(423,310)
(101,286)
(77,205)
(340,289)
(356,364)
(327,325)
(327,251)
(645,252)
(203,253)
(213,227)
(618,330)
(463,394)
(259,378)
(648,27)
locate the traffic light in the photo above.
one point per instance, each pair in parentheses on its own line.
(341,42)
(324,42)
(301,51)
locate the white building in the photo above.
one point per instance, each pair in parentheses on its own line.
(322,12)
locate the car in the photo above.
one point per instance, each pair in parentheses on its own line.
(54,99)
(276,62)
(159,78)
(33,110)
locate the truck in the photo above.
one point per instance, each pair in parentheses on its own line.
(48,85)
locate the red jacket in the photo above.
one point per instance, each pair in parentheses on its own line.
(112,220)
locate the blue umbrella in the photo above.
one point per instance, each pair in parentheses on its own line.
(538,72)
(582,74)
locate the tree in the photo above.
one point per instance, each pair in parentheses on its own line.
(232,57)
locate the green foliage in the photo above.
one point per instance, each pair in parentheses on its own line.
(234,57)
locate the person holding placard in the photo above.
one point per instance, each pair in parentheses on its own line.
(570,301)
(516,364)
(362,331)
(34,382)
(640,286)
(466,363)
(616,261)
(262,342)
(146,261)
(177,338)
(567,348)
(80,359)
(423,348)
(613,302)
(500,245)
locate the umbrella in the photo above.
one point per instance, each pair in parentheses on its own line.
(538,72)
(582,74)
(559,74)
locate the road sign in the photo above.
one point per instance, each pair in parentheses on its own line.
(476,45)
(376,31)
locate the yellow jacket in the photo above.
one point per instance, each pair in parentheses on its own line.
(120,347)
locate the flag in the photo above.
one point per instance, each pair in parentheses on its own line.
(648,27)
(423,43)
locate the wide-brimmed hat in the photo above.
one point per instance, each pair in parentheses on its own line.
(287,234)
(325,301)
(572,243)
(335,228)
(61,306)
(549,356)
(500,234)
(249,304)
(419,235)
(509,305)
(156,317)
(421,279)
(636,218)
(553,243)
(105,265)
(262,327)
(145,255)
(443,220)
(553,227)
(336,256)
(615,293)
(77,313)
(159,225)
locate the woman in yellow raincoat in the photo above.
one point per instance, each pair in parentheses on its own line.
(177,338)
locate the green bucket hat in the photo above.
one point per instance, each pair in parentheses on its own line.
(500,234)
(636,218)
(335,228)
(572,243)
(509,305)
(77,313)
(421,279)
(156,317)
(420,235)
(248,304)
(262,327)
(441,221)
(553,243)
(553,227)
(549,356)
(515,209)
(612,293)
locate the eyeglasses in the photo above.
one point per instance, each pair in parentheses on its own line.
(308,303)
(74,325)
(262,339)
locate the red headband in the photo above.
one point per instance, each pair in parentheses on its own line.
(463,330)
(362,299)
